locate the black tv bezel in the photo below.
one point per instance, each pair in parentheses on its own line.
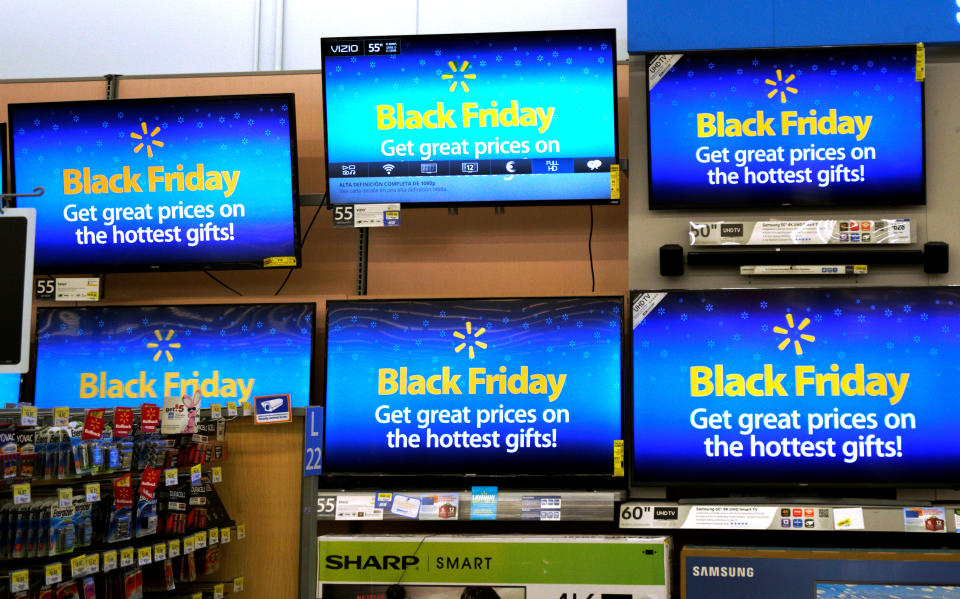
(612,42)
(311,398)
(605,480)
(4,163)
(773,202)
(177,266)
(681,483)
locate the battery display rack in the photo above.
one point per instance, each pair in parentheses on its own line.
(112,511)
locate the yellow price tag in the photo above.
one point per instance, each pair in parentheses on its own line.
(279,261)
(213,535)
(160,552)
(21,493)
(218,591)
(618,457)
(231,409)
(53,573)
(241,531)
(65,497)
(196,596)
(144,556)
(224,535)
(28,415)
(188,544)
(126,557)
(92,492)
(238,584)
(109,560)
(19,580)
(921,69)
(78,566)
(216,411)
(216,474)
(170,477)
(61,416)
(200,539)
(173,548)
(614,181)
(195,472)
(93,563)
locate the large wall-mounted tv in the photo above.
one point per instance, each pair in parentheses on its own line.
(127,355)
(788,127)
(486,118)
(159,183)
(473,386)
(786,386)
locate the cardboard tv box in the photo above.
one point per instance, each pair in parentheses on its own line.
(485,567)
(735,573)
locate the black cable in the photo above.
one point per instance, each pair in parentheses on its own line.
(593,278)
(210,274)
(302,241)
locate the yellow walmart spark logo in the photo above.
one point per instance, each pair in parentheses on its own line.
(461,71)
(166,341)
(796,342)
(469,343)
(780,86)
(143,142)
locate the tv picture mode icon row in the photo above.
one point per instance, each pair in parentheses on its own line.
(506,167)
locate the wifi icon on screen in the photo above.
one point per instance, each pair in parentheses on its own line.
(388,168)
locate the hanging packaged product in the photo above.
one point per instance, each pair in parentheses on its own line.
(26,448)
(8,452)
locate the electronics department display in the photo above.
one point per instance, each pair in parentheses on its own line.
(845,385)
(486,386)
(472,118)
(107,356)
(151,184)
(809,126)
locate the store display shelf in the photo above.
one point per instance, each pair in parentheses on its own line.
(790,516)
(431,505)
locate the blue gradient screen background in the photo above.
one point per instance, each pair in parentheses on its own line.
(913,330)
(576,336)
(246,133)
(270,343)
(873,81)
(9,388)
(572,71)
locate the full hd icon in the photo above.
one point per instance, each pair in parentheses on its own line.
(428,168)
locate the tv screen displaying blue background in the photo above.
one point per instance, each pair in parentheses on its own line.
(472,118)
(727,128)
(87,356)
(844,385)
(158,183)
(3,158)
(9,388)
(396,369)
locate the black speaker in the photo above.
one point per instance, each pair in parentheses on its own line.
(671,260)
(936,257)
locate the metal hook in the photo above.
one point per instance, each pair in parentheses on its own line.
(37,192)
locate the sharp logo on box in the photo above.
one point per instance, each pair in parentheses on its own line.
(665,513)
(344,48)
(723,571)
(374,562)
(731,230)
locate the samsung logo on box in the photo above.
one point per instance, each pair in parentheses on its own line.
(723,571)
(665,513)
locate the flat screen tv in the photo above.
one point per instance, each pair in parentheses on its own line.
(128,355)
(821,126)
(472,119)
(160,183)
(473,386)
(842,386)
